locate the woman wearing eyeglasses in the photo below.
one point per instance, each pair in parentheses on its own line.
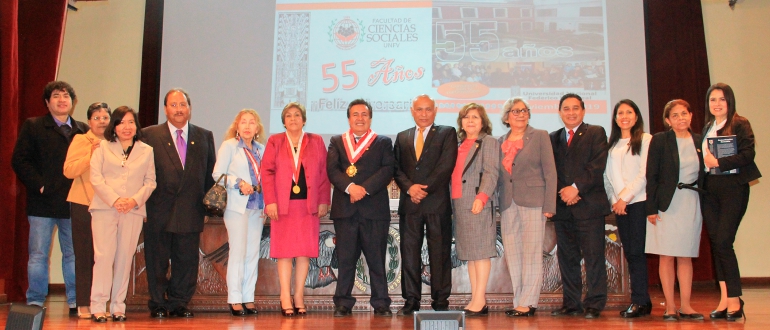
(123,177)
(526,188)
(77,166)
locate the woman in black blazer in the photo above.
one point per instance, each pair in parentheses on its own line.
(728,195)
(674,163)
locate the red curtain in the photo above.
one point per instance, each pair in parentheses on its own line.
(31,34)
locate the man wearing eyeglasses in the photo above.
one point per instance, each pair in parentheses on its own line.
(580,152)
(184,160)
(38,160)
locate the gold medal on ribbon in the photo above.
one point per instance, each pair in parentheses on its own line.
(352,170)
(295,189)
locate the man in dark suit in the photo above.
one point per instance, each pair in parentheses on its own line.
(360,167)
(184,161)
(38,160)
(425,158)
(580,152)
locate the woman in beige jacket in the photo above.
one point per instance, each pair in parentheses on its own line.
(123,177)
(77,166)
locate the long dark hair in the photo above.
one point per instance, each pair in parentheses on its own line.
(730,98)
(636,131)
(116,118)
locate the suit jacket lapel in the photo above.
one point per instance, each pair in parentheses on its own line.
(526,138)
(474,149)
(673,148)
(115,149)
(410,143)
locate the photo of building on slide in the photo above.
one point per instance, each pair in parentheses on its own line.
(521,45)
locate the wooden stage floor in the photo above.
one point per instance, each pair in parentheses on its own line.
(704,300)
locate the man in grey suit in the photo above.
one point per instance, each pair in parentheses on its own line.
(184,160)
(580,152)
(425,157)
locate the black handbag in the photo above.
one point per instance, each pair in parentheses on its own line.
(215,199)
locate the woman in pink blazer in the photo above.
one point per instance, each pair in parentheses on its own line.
(297,193)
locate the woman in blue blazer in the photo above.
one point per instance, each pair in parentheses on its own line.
(240,159)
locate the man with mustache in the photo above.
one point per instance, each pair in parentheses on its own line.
(184,160)
(359,164)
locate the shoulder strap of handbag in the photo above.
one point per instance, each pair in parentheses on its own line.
(220,179)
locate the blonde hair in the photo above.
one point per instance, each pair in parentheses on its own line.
(486,125)
(232,132)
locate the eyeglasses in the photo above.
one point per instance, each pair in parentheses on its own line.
(519,111)
(105,118)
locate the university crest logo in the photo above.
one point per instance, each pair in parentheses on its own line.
(346,33)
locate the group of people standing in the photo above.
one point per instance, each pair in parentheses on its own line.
(120,179)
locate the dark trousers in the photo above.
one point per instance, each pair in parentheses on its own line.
(182,250)
(355,235)
(632,229)
(723,208)
(573,238)
(83,246)
(413,228)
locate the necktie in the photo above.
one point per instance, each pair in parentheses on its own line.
(571,135)
(66,129)
(181,146)
(418,145)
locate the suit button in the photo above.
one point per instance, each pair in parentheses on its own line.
(463,181)
(417,168)
(511,180)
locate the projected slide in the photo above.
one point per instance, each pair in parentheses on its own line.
(329,53)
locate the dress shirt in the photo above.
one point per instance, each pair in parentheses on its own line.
(424,135)
(566,135)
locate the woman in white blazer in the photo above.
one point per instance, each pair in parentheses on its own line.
(625,183)
(240,159)
(123,177)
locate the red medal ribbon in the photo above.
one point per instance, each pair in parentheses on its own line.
(355,152)
(297,156)
(254,165)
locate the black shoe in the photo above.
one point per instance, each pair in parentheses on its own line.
(73,311)
(440,306)
(693,316)
(715,314)
(647,309)
(100,318)
(518,313)
(119,318)
(670,317)
(300,311)
(182,312)
(592,313)
(342,311)
(564,311)
(483,312)
(634,311)
(237,312)
(408,309)
(383,311)
(733,316)
(250,311)
(159,313)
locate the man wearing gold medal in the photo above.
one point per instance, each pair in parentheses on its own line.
(360,166)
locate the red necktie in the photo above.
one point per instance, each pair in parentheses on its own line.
(571,135)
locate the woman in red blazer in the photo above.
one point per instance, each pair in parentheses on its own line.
(297,193)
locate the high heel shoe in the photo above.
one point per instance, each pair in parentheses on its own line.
(483,312)
(300,311)
(288,312)
(733,316)
(717,314)
(250,311)
(236,312)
